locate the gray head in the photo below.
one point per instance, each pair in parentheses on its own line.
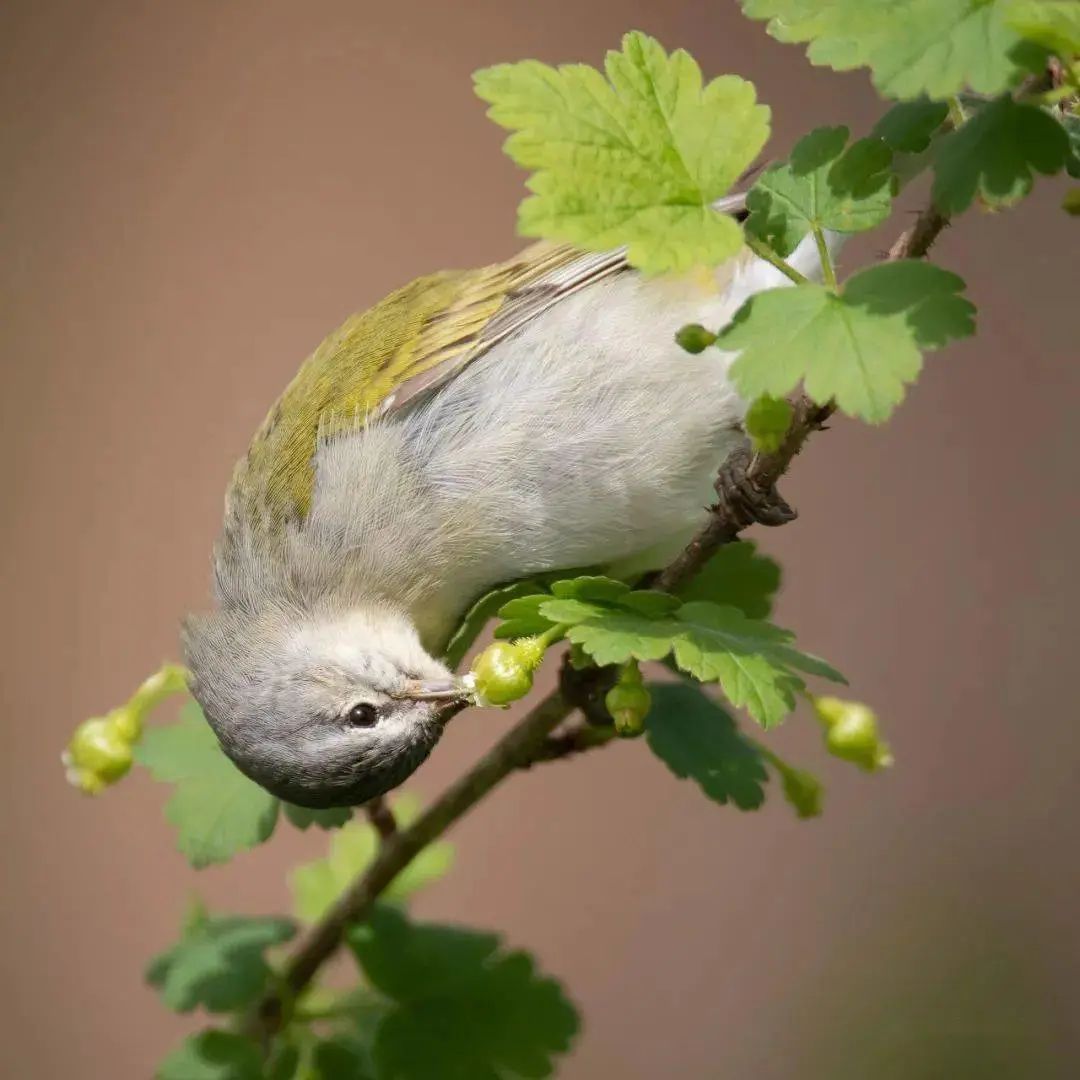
(321,709)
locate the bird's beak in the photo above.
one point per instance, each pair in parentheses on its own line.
(448,689)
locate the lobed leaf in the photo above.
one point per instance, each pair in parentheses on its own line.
(739,576)
(217,811)
(698,740)
(213,1055)
(303,817)
(219,962)
(912,47)
(994,154)
(860,347)
(909,126)
(463,1007)
(825,184)
(636,159)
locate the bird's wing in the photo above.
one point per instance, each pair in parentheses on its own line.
(536,280)
(396,354)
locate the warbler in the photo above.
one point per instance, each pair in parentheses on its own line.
(472,428)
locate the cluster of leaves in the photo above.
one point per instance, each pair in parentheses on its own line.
(431,1000)
(755,662)
(426,994)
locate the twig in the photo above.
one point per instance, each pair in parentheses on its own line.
(516,747)
(570,743)
(382,817)
(530,741)
(915,242)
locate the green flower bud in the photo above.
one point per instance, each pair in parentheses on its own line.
(694,338)
(851,733)
(89,783)
(767,422)
(628,702)
(99,749)
(502,673)
(803,791)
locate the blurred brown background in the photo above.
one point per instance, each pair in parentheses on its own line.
(192,196)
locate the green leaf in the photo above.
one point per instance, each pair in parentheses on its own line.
(912,47)
(218,963)
(739,576)
(589,587)
(1071,123)
(315,886)
(465,1009)
(860,347)
(825,185)
(753,661)
(304,817)
(213,1055)
(522,617)
(217,810)
(994,153)
(1056,25)
(637,159)
(767,422)
(1071,202)
(339,1058)
(697,739)
(478,616)
(909,126)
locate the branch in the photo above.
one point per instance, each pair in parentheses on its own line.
(570,743)
(531,741)
(382,818)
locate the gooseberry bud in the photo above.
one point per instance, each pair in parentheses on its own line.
(99,749)
(694,338)
(628,702)
(502,673)
(803,791)
(767,422)
(89,783)
(851,733)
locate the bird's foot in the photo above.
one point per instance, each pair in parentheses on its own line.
(743,501)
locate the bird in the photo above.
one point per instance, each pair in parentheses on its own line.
(473,428)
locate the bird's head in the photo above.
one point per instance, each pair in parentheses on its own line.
(322,709)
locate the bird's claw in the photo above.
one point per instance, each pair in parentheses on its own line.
(744,501)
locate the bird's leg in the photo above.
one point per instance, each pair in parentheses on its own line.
(743,500)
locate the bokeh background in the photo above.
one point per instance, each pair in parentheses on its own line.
(191,196)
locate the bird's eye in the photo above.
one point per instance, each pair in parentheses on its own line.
(362,715)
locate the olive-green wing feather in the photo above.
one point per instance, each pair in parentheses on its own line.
(392,355)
